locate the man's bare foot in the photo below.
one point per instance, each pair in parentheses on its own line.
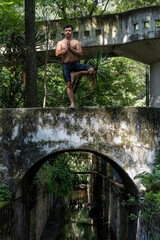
(72,106)
(73,76)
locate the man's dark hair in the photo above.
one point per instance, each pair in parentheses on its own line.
(67,26)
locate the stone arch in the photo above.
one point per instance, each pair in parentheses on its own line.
(27,179)
(126,136)
(22,200)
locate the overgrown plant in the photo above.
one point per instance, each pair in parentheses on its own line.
(5,194)
(149,202)
(58,174)
(55,176)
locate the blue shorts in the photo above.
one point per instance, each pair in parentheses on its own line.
(69,67)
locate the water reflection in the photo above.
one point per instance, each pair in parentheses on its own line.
(77,220)
(76,224)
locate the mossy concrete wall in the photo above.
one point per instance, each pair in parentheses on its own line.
(40,211)
(19,220)
(127,137)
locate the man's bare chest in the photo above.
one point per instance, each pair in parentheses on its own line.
(72,44)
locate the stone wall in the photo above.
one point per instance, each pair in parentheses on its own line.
(32,217)
(109,196)
(120,226)
(127,137)
(6,222)
(40,213)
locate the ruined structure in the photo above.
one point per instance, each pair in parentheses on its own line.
(127,137)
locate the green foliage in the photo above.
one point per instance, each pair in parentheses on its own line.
(5,194)
(11,87)
(44,178)
(150,202)
(55,176)
(57,173)
(113,84)
(133,216)
(62,176)
(11,22)
(124,5)
(151,181)
(80,162)
(64,9)
(12,54)
(130,201)
(56,90)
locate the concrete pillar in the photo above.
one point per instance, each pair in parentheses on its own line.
(155,84)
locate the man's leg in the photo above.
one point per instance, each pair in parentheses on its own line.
(67,77)
(81,73)
(70,93)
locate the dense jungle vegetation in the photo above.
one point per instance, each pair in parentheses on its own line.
(118,82)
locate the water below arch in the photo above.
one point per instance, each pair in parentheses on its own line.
(73,221)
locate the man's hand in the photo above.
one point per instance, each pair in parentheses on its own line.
(68,44)
(77,50)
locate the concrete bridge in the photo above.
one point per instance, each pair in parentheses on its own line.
(128,138)
(134,34)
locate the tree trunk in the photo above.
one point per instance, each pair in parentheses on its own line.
(46,61)
(31,61)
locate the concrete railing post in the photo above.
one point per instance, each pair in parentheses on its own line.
(155,84)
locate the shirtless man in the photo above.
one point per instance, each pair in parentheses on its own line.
(70,49)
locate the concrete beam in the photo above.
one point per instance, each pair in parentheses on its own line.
(134,34)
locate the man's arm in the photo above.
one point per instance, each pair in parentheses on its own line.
(59,51)
(77,51)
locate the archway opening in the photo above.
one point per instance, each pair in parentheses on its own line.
(27,179)
(103,172)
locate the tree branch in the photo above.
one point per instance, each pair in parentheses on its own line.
(105,7)
(93,7)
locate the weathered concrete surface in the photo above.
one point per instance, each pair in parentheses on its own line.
(134,34)
(26,220)
(127,137)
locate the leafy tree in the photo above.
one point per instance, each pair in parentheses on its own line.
(55,175)
(11,35)
(12,87)
(11,55)
(112,85)
(58,174)
(124,5)
(64,9)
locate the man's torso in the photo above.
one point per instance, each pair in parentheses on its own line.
(69,56)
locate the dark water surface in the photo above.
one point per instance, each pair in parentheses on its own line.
(76,224)
(72,222)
